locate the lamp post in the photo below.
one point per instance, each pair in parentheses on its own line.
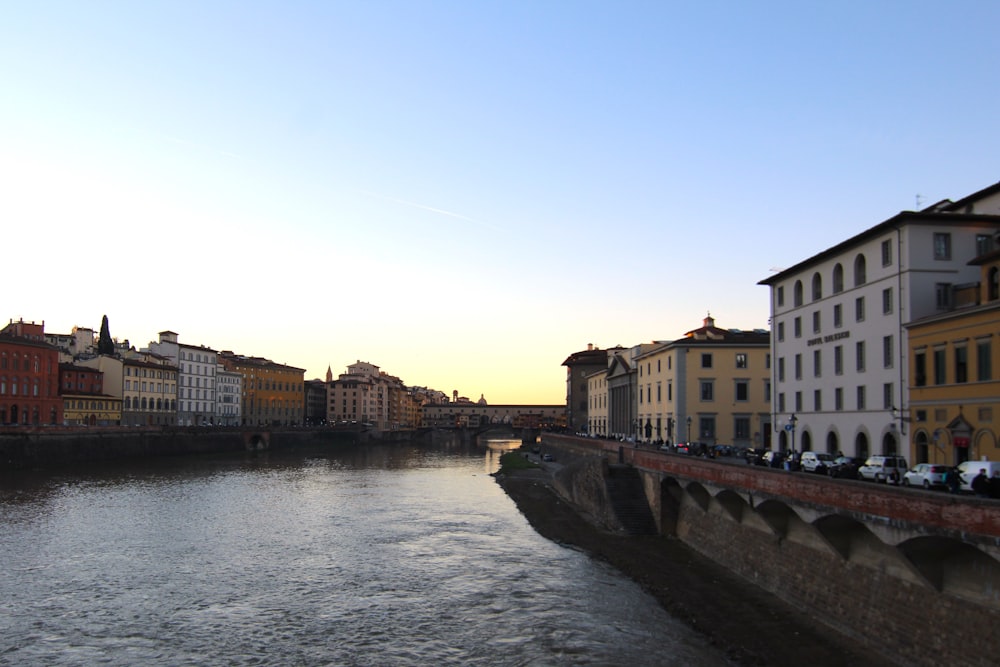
(689,430)
(791,422)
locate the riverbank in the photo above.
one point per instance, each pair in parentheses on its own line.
(753,627)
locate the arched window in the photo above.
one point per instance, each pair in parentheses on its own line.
(838,278)
(797,293)
(142,402)
(807,442)
(831,443)
(128,402)
(889,444)
(817,287)
(860,271)
(861,446)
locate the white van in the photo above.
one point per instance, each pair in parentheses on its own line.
(969,469)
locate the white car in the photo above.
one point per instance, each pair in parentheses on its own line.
(815,461)
(927,475)
(883,468)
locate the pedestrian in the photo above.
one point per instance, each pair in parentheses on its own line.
(953,480)
(981,484)
(995,485)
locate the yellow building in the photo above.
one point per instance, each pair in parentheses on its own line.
(711,386)
(955,377)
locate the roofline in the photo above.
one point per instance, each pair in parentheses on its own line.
(896,221)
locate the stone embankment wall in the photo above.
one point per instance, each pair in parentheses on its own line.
(867,569)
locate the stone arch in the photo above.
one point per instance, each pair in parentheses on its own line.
(805,442)
(985,442)
(732,503)
(699,494)
(777,515)
(890,442)
(953,566)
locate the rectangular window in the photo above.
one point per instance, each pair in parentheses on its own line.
(781,369)
(942,245)
(887,252)
(767,391)
(816,322)
(861,397)
(859,309)
(887,399)
(741,427)
(859,351)
(706,360)
(939,365)
(742,390)
(817,400)
(984,361)
(781,331)
(798,401)
(920,369)
(797,327)
(798,366)
(984,244)
(707,390)
(887,301)
(781,295)
(781,402)
(817,363)
(942,296)
(741,360)
(838,360)
(838,316)
(707,427)
(961,363)
(887,351)
(838,399)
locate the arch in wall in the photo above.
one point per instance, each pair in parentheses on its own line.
(861,449)
(832,442)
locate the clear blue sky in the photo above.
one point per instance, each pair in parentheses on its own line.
(464,193)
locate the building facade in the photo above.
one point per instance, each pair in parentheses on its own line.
(954,406)
(839,338)
(196,378)
(29,376)
(712,386)
(579,366)
(273,394)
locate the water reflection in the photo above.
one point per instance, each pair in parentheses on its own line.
(383,554)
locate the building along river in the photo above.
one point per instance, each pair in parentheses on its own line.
(384,554)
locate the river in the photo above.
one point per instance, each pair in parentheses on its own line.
(383,554)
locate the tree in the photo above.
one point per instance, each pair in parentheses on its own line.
(104,343)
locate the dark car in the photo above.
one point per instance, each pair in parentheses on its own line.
(773,459)
(755,457)
(845,467)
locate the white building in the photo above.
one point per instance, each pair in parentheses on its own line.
(840,375)
(196,375)
(228,397)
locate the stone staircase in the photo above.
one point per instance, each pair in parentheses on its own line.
(628,500)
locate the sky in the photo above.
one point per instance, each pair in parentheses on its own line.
(465,193)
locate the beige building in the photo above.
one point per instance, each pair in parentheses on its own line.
(711,386)
(597,402)
(144,382)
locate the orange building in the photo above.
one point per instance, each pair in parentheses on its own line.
(273,394)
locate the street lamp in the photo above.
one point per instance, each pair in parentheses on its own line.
(689,430)
(791,422)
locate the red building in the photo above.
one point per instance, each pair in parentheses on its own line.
(29,376)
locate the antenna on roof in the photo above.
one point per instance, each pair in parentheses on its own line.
(920,202)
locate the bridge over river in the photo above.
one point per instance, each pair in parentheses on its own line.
(908,571)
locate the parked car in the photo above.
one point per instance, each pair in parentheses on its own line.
(844,467)
(815,462)
(926,475)
(969,469)
(773,459)
(754,457)
(883,468)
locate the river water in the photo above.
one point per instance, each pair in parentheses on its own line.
(375,555)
